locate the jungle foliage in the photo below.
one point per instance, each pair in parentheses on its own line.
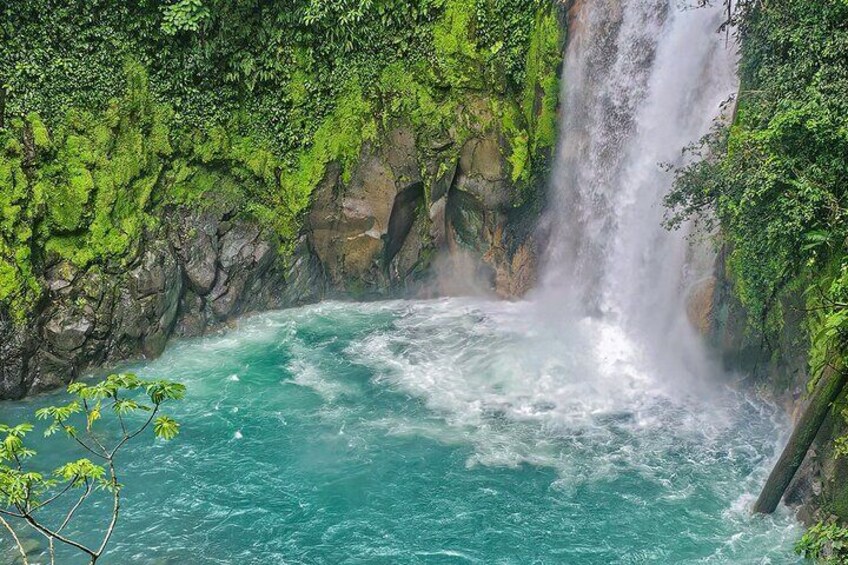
(775,180)
(110,110)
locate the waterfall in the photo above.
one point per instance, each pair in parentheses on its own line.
(642,79)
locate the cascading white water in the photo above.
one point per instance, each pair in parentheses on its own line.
(642,79)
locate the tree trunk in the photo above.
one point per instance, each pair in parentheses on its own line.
(827,391)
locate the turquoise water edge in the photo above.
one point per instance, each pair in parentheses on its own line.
(445,431)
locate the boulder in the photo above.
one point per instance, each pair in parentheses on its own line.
(699,306)
(482,172)
(15,346)
(380,229)
(356,228)
(195,240)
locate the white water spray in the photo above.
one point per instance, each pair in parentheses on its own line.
(642,79)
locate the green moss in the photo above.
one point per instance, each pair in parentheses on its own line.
(529,125)
(453,40)
(546,123)
(839,505)
(339,138)
(19,286)
(406,95)
(68,200)
(541,88)
(40,136)
(516,132)
(261,142)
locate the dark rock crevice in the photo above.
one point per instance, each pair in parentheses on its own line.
(403,215)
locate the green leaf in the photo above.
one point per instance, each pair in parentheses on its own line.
(93,416)
(165,428)
(76,472)
(77,387)
(125,406)
(160,391)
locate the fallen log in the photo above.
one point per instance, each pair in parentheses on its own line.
(826,392)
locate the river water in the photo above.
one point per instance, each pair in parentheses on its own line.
(446,431)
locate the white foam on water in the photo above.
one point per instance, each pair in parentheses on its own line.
(309,375)
(486,376)
(575,398)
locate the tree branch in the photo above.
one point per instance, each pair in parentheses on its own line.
(88,428)
(12,514)
(52,498)
(21,549)
(135,433)
(82,443)
(116,506)
(76,506)
(120,418)
(46,531)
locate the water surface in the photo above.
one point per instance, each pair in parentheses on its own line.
(448,431)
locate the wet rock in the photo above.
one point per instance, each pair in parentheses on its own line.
(699,306)
(244,257)
(516,276)
(482,173)
(466,217)
(14,349)
(400,154)
(438,222)
(195,241)
(67,330)
(404,213)
(378,230)
(240,247)
(193,319)
(368,201)
(49,371)
(409,257)
(305,281)
(197,272)
(444,182)
(357,228)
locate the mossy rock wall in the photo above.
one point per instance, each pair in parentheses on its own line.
(143,198)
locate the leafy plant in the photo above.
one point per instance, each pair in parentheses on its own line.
(185,15)
(775,180)
(826,542)
(101,419)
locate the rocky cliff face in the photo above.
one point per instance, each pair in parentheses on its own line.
(416,217)
(778,367)
(414,210)
(195,272)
